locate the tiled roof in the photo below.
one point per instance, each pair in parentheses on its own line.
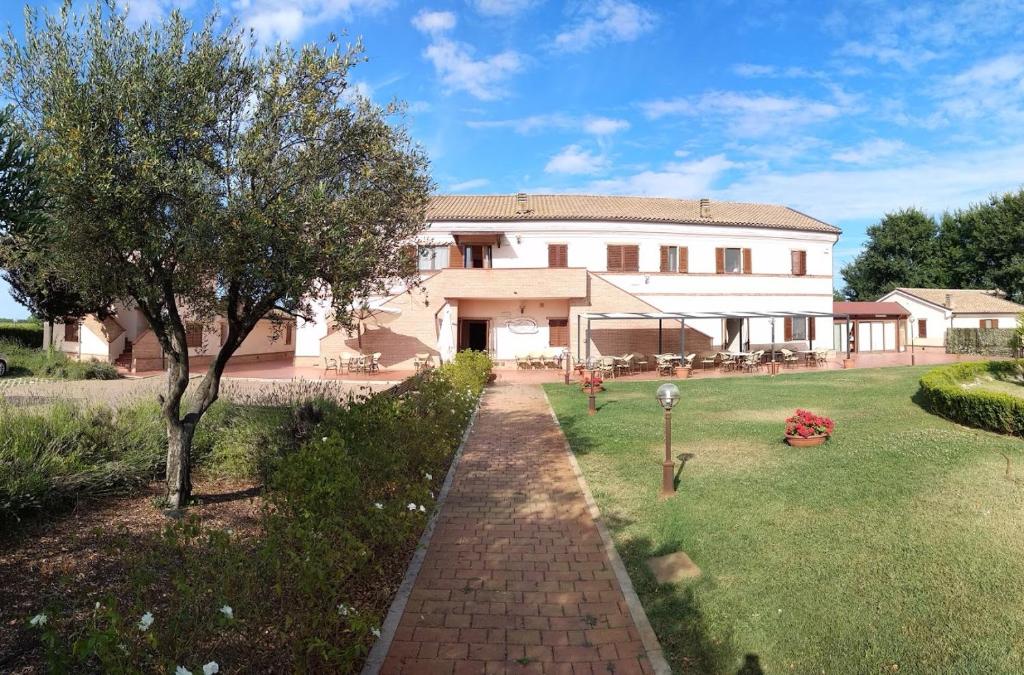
(482,208)
(868,308)
(967,300)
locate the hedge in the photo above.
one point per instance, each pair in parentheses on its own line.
(26,334)
(986,341)
(943,393)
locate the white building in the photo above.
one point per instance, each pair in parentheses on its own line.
(933,310)
(515,274)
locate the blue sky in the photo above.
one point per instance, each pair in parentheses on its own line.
(844,110)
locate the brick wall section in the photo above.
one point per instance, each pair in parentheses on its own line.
(620,337)
(512,283)
(147,354)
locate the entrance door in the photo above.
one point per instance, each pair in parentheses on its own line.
(473,334)
(733,337)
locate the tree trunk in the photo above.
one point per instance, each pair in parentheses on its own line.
(179,463)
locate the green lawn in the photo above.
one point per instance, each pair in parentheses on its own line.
(897,546)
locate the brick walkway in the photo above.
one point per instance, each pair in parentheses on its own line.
(515,578)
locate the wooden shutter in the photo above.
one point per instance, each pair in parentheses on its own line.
(455,256)
(558,332)
(798,263)
(558,255)
(787,332)
(684,259)
(614,258)
(631,258)
(71,332)
(664,259)
(810,328)
(719,261)
(922,328)
(746,261)
(194,335)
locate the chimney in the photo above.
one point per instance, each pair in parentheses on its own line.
(949,300)
(705,208)
(523,203)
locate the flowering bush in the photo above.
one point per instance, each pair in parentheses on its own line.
(806,424)
(345,506)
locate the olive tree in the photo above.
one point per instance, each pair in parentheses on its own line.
(194,176)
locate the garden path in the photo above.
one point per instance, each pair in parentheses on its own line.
(516,577)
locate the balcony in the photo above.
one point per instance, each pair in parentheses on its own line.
(519,283)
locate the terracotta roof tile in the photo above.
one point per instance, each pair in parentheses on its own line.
(868,308)
(481,208)
(967,300)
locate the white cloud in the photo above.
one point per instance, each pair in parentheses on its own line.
(576,161)
(604,22)
(758,70)
(469,185)
(433,23)
(273,21)
(502,7)
(745,114)
(151,11)
(904,57)
(604,126)
(594,125)
(674,179)
(870,151)
(460,71)
(990,89)
(934,183)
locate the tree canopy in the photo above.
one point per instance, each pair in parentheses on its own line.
(194,176)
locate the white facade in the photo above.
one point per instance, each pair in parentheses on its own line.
(938,318)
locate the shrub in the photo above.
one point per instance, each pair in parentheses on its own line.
(805,424)
(943,393)
(986,341)
(350,489)
(24,361)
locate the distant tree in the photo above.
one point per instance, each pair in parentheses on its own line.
(902,250)
(194,176)
(983,245)
(837,295)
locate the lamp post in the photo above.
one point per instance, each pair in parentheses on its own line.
(913,321)
(668,396)
(592,398)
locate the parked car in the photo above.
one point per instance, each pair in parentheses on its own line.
(3,365)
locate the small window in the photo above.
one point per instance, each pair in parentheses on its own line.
(432,258)
(476,256)
(798,263)
(558,255)
(558,332)
(71,332)
(194,335)
(989,323)
(733,261)
(922,328)
(799,328)
(669,258)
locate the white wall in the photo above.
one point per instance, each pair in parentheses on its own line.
(506,343)
(974,320)
(937,318)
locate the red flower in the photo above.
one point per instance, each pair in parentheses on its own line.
(805,423)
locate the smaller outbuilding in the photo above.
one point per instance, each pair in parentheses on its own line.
(874,326)
(933,310)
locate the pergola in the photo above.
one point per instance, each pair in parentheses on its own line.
(682,318)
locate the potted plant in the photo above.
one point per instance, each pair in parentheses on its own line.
(598,382)
(805,429)
(682,372)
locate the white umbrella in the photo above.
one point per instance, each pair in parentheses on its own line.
(379,314)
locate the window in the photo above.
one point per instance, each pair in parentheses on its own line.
(799,328)
(988,323)
(476,256)
(558,332)
(732,261)
(674,259)
(432,258)
(623,258)
(558,255)
(71,332)
(922,328)
(194,335)
(798,262)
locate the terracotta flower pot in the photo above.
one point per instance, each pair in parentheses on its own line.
(810,441)
(682,373)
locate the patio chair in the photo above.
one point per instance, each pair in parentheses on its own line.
(522,363)
(789,358)
(709,360)
(727,361)
(625,365)
(331,364)
(821,357)
(549,361)
(665,366)
(536,362)
(606,366)
(687,361)
(754,361)
(373,365)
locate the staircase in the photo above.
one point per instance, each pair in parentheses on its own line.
(124,360)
